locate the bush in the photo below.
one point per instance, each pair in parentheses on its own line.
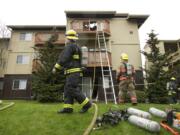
(48,93)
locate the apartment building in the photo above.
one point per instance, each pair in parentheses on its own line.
(21,61)
(170,46)
(121,33)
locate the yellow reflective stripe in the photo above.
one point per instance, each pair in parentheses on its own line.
(72,70)
(76,56)
(85,102)
(57,66)
(67,106)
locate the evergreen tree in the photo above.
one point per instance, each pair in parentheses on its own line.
(158,74)
(46,86)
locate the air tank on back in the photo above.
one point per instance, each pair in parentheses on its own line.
(84,60)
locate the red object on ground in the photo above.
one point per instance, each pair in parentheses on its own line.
(167,127)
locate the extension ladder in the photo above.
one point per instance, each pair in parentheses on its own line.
(108,85)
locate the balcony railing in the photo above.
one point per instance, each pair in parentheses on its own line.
(42,37)
(175,56)
(91,26)
(94,59)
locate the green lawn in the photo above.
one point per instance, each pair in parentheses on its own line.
(33,118)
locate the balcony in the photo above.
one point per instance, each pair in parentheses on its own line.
(42,37)
(89,27)
(94,59)
(175,56)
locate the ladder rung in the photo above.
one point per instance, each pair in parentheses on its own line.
(109,92)
(106,70)
(107,75)
(110,99)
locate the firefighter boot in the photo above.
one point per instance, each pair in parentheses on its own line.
(86,107)
(65,110)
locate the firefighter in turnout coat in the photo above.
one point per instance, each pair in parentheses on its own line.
(126,79)
(70,61)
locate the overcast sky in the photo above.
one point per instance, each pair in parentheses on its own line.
(164,14)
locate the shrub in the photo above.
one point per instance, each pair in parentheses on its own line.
(49,93)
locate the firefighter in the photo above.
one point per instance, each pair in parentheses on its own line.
(70,61)
(172,90)
(126,78)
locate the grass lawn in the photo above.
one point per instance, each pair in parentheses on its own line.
(33,118)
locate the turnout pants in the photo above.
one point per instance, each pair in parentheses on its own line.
(124,87)
(72,90)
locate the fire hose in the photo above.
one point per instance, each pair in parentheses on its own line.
(90,127)
(7,106)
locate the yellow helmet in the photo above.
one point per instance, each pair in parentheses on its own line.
(71,34)
(173,78)
(124,56)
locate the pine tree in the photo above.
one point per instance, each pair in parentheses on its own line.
(157,75)
(46,86)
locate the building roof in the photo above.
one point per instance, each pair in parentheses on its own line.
(90,14)
(170,41)
(140,19)
(37,27)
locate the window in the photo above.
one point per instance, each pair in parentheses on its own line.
(19,84)
(26,36)
(1,85)
(22,59)
(85,26)
(93,25)
(106,82)
(87,86)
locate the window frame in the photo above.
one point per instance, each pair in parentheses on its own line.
(24,59)
(25,36)
(13,84)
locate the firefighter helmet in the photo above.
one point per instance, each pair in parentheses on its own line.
(71,34)
(124,56)
(173,78)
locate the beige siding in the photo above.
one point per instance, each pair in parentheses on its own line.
(122,41)
(161,47)
(17,45)
(14,68)
(20,47)
(120,32)
(131,50)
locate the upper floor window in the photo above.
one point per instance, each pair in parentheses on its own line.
(26,36)
(22,59)
(89,25)
(19,84)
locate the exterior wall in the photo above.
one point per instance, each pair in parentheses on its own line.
(9,93)
(14,68)
(19,47)
(124,38)
(161,47)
